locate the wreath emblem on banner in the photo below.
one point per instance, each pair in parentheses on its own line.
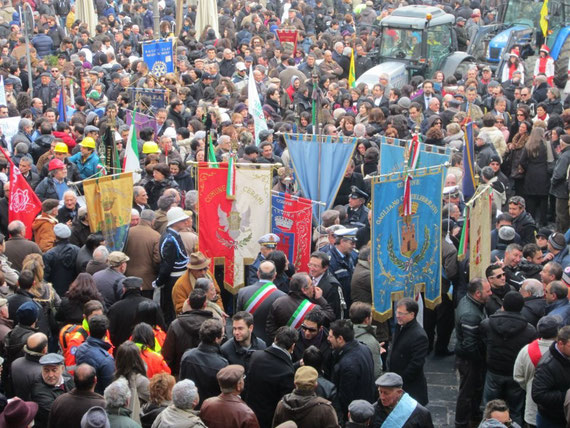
(159,68)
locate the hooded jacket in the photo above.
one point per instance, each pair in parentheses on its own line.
(60,267)
(43,231)
(306,410)
(505,333)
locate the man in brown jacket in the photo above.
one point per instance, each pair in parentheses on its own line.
(18,247)
(228,409)
(142,250)
(302,406)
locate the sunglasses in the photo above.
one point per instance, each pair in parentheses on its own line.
(499,275)
(305,328)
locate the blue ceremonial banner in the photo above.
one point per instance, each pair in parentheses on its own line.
(406,252)
(392,158)
(319,162)
(423,146)
(469,186)
(158,57)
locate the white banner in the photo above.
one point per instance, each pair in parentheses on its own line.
(253,203)
(255,108)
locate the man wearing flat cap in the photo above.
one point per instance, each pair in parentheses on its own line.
(268,244)
(395,408)
(360,414)
(302,406)
(228,409)
(55,381)
(108,281)
(122,314)
(356,211)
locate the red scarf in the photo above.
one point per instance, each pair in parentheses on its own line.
(542,64)
(512,68)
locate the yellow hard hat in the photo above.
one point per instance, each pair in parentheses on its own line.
(61,148)
(88,142)
(150,147)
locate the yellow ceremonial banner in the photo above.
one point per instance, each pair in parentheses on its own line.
(479,233)
(109,202)
(543,19)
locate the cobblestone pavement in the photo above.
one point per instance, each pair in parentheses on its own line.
(442,389)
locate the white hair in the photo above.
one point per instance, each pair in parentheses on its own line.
(117,394)
(184,395)
(101,254)
(533,287)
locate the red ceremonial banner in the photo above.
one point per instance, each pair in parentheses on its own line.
(291,221)
(213,203)
(288,36)
(23,203)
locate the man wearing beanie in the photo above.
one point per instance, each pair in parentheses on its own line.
(303,406)
(96,417)
(504,334)
(557,246)
(528,358)
(60,267)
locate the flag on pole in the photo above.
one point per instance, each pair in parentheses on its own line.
(315,99)
(469,163)
(231,182)
(23,203)
(255,108)
(131,161)
(543,20)
(351,72)
(211,153)
(61,109)
(2,92)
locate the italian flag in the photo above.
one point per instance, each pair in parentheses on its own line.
(131,161)
(211,153)
(413,157)
(299,315)
(259,297)
(231,183)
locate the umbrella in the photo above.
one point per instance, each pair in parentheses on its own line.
(207,15)
(86,13)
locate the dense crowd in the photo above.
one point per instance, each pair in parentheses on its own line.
(87,341)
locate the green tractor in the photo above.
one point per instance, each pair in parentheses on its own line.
(416,40)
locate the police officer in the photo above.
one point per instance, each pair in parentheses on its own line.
(357,212)
(268,243)
(342,259)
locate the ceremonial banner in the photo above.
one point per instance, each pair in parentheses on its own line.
(157,96)
(291,220)
(2,92)
(479,232)
(392,158)
(23,203)
(109,203)
(288,40)
(228,229)
(423,146)
(406,250)
(259,122)
(158,57)
(319,162)
(131,161)
(141,121)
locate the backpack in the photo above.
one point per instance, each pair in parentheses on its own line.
(68,332)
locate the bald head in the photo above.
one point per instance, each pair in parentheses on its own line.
(85,377)
(37,342)
(267,271)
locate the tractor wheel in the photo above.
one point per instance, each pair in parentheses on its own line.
(464,66)
(561,65)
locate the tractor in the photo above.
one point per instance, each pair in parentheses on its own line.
(518,24)
(416,40)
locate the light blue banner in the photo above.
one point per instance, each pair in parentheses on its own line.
(319,163)
(406,252)
(158,57)
(392,159)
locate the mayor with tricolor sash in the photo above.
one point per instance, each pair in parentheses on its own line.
(290,310)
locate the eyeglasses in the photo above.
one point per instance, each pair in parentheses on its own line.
(55,70)
(401,314)
(520,114)
(499,275)
(305,328)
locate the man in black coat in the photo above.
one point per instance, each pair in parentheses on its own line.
(270,376)
(265,293)
(552,380)
(239,348)
(353,370)
(319,272)
(522,221)
(183,333)
(505,333)
(202,364)
(394,401)
(534,307)
(408,350)
(499,288)
(122,314)
(54,381)
(350,179)
(314,333)
(59,262)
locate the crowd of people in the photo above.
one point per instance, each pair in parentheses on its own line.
(85,341)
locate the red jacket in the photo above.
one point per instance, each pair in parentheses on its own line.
(66,138)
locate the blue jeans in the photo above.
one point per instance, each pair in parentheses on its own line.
(544,422)
(505,388)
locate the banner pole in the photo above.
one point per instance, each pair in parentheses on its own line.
(275,192)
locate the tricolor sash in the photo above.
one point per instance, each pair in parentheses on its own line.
(259,297)
(401,413)
(299,315)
